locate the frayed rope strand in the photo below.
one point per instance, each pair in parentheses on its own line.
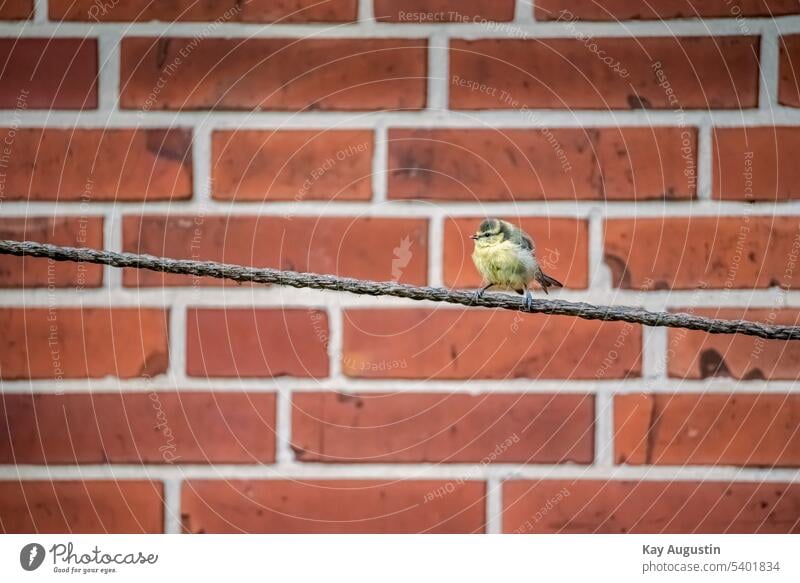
(374,288)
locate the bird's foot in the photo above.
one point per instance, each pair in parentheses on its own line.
(477,295)
(528,301)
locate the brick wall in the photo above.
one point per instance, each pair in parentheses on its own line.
(652,154)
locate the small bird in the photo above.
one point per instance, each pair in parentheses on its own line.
(506,258)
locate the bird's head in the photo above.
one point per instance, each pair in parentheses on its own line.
(491,232)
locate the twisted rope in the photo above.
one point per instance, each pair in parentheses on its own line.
(374,288)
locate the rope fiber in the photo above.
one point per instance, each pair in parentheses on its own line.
(373,288)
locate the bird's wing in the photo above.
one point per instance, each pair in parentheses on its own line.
(519,237)
(523,240)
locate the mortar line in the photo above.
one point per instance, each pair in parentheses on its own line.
(380,166)
(335,345)
(108,57)
(421,208)
(176,372)
(113,239)
(267,297)
(494,505)
(438,75)
(41,10)
(284,453)
(436,250)
(202,177)
(598,271)
(705,162)
(523,12)
(654,353)
(172,506)
(769,74)
(366,14)
(479,387)
(604,430)
(367,28)
(437,472)
(459,119)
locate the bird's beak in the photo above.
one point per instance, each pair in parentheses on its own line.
(473,237)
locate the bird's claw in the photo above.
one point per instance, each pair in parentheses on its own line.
(528,301)
(478,294)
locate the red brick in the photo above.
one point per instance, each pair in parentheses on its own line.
(542,164)
(438,11)
(174,427)
(675,507)
(756,164)
(273,74)
(465,344)
(562,248)
(48,73)
(28,272)
(286,11)
(707,429)
(90,507)
(716,252)
(448,428)
(98,165)
(328,506)
(697,355)
(292,165)
(366,248)
(256,343)
(55,343)
(634,10)
(519,73)
(16,10)
(789,81)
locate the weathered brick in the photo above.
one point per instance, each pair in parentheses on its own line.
(366,248)
(645,73)
(81,507)
(98,164)
(467,344)
(756,163)
(16,10)
(28,272)
(154,427)
(55,343)
(286,11)
(273,74)
(256,343)
(707,429)
(542,164)
(697,355)
(562,248)
(444,428)
(614,10)
(292,165)
(713,252)
(789,72)
(439,11)
(48,73)
(675,507)
(333,506)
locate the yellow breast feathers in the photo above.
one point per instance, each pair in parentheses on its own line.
(505,265)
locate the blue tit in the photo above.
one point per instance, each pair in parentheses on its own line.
(506,258)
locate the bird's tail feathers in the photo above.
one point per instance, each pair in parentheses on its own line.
(546,281)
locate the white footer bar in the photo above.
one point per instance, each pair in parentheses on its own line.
(400,558)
